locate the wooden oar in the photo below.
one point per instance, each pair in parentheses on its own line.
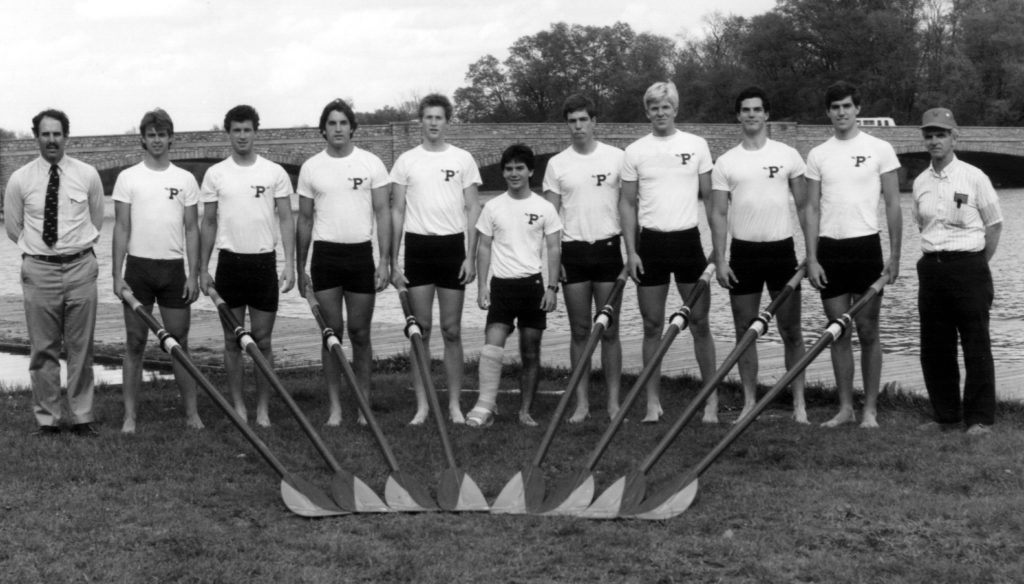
(401,492)
(573,496)
(628,491)
(676,495)
(300,496)
(349,492)
(456,491)
(524,493)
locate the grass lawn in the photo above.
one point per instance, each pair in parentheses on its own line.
(787,503)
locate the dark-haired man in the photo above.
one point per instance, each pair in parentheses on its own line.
(515,227)
(847,176)
(156,223)
(240,197)
(434,204)
(582,182)
(343,198)
(54,212)
(957,211)
(752,185)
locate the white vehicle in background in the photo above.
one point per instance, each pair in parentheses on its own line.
(875,122)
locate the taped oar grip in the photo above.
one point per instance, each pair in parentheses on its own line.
(605,317)
(760,323)
(331,339)
(244,338)
(412,327)
(839,326)
(680,318)
(167,340)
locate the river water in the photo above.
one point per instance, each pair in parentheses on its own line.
(899,322)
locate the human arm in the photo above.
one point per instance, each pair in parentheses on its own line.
(96,201)
(704,192)
(992,233)
(382,215)
(894,220)
(718,220)
(483,266)
(14,211)
(303,238)
(553,242)
(810,216)
(287,224)
(191,291)
(472,199)
(627,215)
(397,225)
(207,237)
(119,246)
(556,200)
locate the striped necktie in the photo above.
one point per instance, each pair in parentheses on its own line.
(50,208)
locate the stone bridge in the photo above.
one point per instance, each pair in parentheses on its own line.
(994,149)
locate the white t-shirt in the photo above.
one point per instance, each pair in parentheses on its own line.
(667,170)
(518,227)
(158,199)
(588,185)
(435,181)
(850,173)
(341,191)
(246,198)
(758,181)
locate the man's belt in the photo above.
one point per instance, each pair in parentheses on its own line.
(948,256)
(59,259)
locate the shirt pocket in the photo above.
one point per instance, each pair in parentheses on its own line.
(77,196)
(962,209)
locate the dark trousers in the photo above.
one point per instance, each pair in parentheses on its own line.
(954,297)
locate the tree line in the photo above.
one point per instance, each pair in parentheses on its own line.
(906,56)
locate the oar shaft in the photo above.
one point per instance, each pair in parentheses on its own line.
(169,344)
(580,367)
(248,344)
(678,322)
(749,337)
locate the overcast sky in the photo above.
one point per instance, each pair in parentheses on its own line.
(105,62)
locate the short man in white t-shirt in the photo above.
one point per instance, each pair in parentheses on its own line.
(582,182)
(434,205)
(246,200)
(664,175)
(515,228)
(846,178)
(156,224)
(343,198)
(750,199)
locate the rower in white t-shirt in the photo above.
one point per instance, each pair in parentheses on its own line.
(752,186)
(343,198)
(240,197)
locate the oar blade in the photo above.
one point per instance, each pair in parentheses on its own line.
(570,497)
(633,493)
(306,500)
(607,504)
(406,495)
(512,498)
(667,503)
(458,492)
(353,495)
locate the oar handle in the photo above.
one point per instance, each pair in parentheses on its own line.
(333,344)
(248,344)
(677,322)
(602,320)
(170,345)
(755,330)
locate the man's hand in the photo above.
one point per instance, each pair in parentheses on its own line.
(816,275)
(467,273)
(483,298)
(206,283)
(550,300)
(382,276)
(120,287)
(635,266)
(286,280)
(304,283)
(398,278)
(892,269)
(191,291)
(726,277)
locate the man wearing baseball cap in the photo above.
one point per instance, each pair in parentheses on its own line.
(957,213)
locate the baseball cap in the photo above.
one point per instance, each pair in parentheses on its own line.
(938,117)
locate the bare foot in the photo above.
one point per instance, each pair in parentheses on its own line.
(800,413)
(262,418)
(334,419)
(526,419)
(456,416)
(194,422)
(128,427)
(613,410)
(361,420)
(654,413)
(747,408)
(580,415)
(870,420)
(420,418)
(241,411)
(843,417)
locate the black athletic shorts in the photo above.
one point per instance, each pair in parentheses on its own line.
(434,259)
(671,252)
(851,265)
(600,261)
(155,280)
(518,300)
(345,265)
(248,279)
(756,263)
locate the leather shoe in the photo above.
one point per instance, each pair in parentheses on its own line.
(46,431)
(979,429)
(85,429)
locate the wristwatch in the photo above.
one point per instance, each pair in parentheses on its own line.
(553,288)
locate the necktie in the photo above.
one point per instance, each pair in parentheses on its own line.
(50,208)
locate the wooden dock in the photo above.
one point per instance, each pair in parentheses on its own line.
(297,345)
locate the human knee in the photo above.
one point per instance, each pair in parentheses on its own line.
(580,331)
(451,332)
